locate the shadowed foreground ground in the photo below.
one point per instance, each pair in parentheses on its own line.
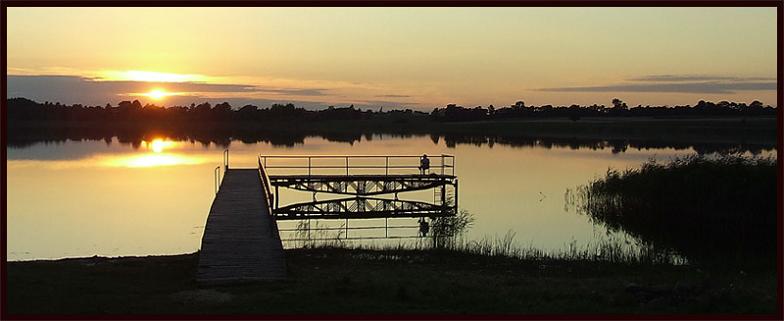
(385,282)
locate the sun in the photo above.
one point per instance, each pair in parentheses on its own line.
(157,94)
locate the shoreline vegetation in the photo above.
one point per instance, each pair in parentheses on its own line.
(706,127)
(700,247)
(718,211)
(329,280)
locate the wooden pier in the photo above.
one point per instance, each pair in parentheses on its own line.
(241,240)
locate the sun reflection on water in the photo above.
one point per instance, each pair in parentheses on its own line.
(158,145)
(155,156)
(154,160)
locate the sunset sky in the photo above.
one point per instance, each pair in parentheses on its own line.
(392,57)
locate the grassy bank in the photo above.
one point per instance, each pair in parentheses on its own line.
(717,211)
(356,281)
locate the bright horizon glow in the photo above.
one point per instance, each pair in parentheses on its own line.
(149,76)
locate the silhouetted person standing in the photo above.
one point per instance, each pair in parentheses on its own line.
(424,227)
(424,164)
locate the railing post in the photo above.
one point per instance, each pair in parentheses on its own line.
(309,165)
(216,173)
(346,165)
(226,159)
(386,166)
(442,164)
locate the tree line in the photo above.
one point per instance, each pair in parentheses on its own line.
(26,109)
(453,112)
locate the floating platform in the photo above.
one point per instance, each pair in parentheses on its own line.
(364,178)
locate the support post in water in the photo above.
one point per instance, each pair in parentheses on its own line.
(456,196)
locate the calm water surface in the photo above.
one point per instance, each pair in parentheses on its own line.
(84,198)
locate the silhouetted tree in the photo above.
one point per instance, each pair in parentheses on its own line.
(619,104)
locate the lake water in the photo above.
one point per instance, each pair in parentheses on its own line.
(103,197)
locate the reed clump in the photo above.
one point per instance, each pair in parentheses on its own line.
(718,211)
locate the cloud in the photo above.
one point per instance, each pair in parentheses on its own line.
(393,96)
(82,90)
(674,78)
(77,82)
(293,91)
(703,87)
(385,103)
(694,84)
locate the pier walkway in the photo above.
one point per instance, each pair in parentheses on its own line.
(241,240)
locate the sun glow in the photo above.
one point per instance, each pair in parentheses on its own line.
(157,94)
(156,160)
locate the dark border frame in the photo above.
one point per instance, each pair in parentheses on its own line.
(779,315)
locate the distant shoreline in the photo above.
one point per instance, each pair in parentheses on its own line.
(728,132)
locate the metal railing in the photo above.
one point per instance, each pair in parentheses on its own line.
(226,158)
(265,181)
(216,172)
(444,166)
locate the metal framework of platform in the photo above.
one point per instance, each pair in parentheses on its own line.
(366,178)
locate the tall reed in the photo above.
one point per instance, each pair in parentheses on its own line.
(716,210)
